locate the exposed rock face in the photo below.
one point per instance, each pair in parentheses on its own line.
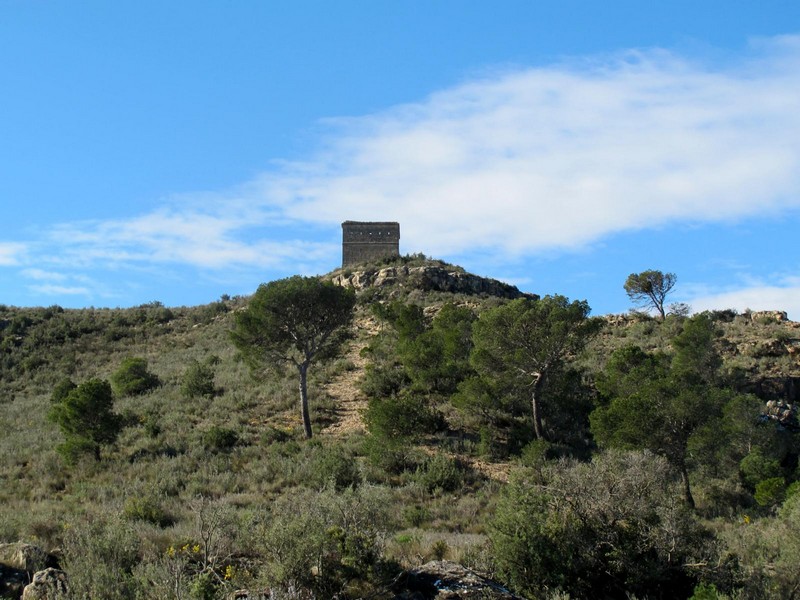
(25,557)
(436,580)
(445,580)
(427,278)
(50,584)
(778,316)
(18,563)
(782,412)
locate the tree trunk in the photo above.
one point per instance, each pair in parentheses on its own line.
(537,417)
(303,368)
(687,491)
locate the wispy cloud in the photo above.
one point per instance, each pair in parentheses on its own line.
(61,290)
(53,283)
(507,165)
(11,253)
(181,234)
(558,157)
(42,275)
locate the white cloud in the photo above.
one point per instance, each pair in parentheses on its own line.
(511,164)
(205,240)
(560,156)
(60,290)
(42,275)
(11,253)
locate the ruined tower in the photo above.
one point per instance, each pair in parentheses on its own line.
(365,241)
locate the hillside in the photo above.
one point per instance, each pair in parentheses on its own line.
(224,484)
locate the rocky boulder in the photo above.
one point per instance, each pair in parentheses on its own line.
(50,584)
(25,557)
(18,563)
(445,580)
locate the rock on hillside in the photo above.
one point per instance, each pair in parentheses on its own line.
(426,278)
(19,562)
(440,580)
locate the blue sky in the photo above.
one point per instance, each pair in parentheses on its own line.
(177,151)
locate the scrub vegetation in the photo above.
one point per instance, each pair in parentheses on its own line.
(562,454)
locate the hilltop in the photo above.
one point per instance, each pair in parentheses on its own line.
(235,455)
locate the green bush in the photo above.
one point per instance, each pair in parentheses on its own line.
(147,509)
(198,380)
(62,390)
(323,541)
(403,416)
(205,586)
(132,378)
(328,465)
(219,438)
(440,473)
(613,525)
(755,467)
(100,557)
(770,492)
(391,455)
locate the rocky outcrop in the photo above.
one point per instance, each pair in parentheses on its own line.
(436,580)
(25,557)
(50,584)
(777,316)
(445,580)
(19,562)
(427,278)
(783,413)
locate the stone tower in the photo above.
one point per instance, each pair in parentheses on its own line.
(368,241)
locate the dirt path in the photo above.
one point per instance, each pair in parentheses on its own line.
(350,401)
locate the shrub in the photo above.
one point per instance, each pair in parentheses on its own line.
(391,455)
(404,416)
(132,378)
(219,438)
(100,557)
(205,586)
(755,467)
(612,525)
(147,509)
(331,466)
(198,380)
(322,541)
(439,549)
(440,473)
(770,492)
(62,390)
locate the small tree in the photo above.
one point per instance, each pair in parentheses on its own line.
(525,344)
(650,289)
(294,321)
(86,418)
(660,403)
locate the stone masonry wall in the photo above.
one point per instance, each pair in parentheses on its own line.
(364,241)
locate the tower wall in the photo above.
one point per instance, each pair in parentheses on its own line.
(367,241)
